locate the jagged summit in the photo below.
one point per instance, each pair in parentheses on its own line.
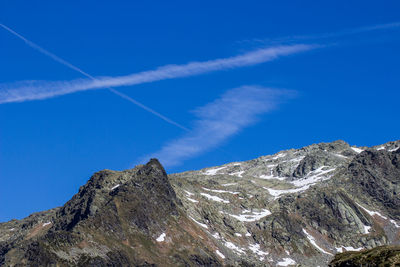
(298,206)
(146,187)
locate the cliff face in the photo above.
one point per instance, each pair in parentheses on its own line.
(299,206)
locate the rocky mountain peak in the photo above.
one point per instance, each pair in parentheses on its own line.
(153,168)
(145,185)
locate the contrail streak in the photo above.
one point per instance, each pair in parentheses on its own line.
(69,65)
(36,90)
(44,51)
(148,109)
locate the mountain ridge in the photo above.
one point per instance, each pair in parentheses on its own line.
(296,207)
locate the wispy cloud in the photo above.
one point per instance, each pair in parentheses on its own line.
(219,120)
(370,28)
(325,35)
(35,90)
(349,32)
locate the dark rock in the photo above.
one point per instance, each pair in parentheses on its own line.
(379,256)
(377,173)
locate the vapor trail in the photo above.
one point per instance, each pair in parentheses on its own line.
(69,65)
(44,51)
(36,90)
(148,109)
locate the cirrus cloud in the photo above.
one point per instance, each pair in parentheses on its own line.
(219,120)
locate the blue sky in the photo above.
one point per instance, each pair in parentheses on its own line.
(225,81)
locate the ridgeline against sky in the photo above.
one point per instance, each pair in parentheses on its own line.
(232,82)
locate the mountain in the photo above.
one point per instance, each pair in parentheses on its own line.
(297,207)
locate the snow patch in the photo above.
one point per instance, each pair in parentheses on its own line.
(199,223)
(255,216)
(280,155)
(303,184)
(247,234)
(233,247)
(220,191)
(189,193)
(312,241)
(271,177)
(380,148)
(372,213)
(313,177)
(272,165)
(216,236)
(297,159)
(238,174)
(45,224)
(114,187)
(161,238)
(366,229)
(395,223)
(277,193)
(343,249)
(220,254)
(213,171)
(357,150)
(214,198)
(340,156)
(229,184)
(255,248)
(238,234)
(235,164)
(286,262)
(393,149)
(192,200)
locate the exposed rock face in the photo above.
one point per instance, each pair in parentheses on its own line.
(297,207)
(145,191)
(377,173)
